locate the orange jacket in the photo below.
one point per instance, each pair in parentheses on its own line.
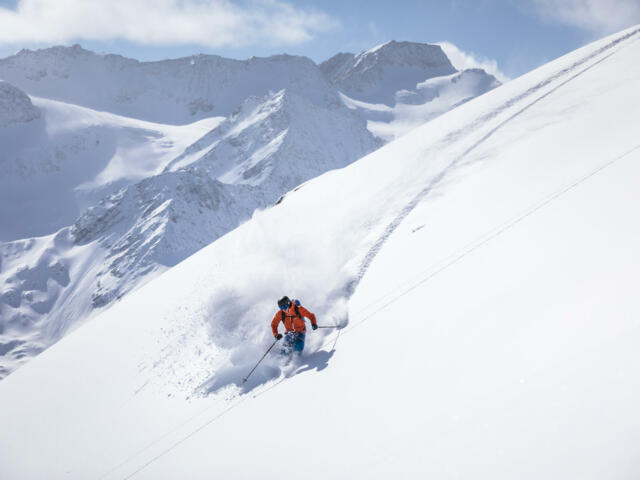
(292,322)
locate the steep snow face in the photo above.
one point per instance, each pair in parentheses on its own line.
(51,284)
(171,91)
(15,106)
(35,275)
(67,157)
(337,66)
(399,86)
(425,102)
(429,248)
(269,146)
(375,75)
(52,167)
(280,141)
(156,223)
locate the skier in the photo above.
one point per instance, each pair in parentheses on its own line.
(292,314)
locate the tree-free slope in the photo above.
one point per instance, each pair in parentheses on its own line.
(491,255)
(147,201)
(60,158)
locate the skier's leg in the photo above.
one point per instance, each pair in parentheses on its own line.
(287,344)
(298,344)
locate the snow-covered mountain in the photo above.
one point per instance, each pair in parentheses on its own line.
(484,266)
(425,102)
(15,106)
(60,159)
(267,147)
(398,86)
(374,76)
(176,91)
(280,141)
(93,203)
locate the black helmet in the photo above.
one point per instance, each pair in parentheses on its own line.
(284,302)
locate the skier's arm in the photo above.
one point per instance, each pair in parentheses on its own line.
(274,323)
(306,313)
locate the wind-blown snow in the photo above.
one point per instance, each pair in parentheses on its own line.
(426,101)
(375,75)
(485,263)
(398,86)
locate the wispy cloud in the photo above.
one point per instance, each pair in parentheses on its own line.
(212,23)
(463,60)
(600,17)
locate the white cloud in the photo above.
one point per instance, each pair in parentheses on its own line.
(463,60)
(598,16)
(212,23)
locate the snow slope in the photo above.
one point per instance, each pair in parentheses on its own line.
(58,159)
(65,158)
(486,264)
(279,141)
(152,204)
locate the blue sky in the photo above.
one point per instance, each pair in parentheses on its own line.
(517,34)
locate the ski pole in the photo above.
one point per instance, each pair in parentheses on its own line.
(265,354)
(329,326)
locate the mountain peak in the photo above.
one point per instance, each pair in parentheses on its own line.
(404,53)
(74,50)
(376,74)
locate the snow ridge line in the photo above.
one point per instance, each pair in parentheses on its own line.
(559,74)
(453,136)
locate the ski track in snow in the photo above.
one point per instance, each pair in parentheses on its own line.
(459,134)
(474,126)
(236,400)
(222,379)
(168,348)
(434,270)
(283,127)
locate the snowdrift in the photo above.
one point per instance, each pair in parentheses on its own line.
(483,265)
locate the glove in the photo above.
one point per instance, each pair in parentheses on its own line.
(278,336)
(313,327)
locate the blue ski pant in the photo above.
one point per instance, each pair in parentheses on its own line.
(293,343)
